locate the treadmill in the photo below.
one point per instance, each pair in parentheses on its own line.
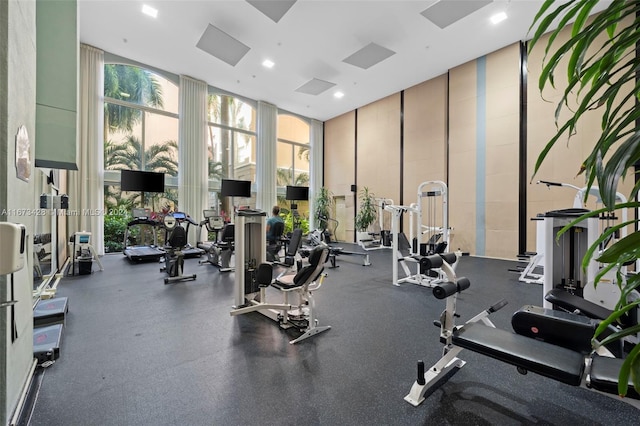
(188,251)
(143,253)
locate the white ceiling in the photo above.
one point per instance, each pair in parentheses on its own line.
(310,41)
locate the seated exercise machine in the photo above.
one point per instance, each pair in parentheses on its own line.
(213,223)
(253,281)
(573,364)
(220,252)
(184,220)
(174,257)
(140,252)
(546,228)
(291,255)
(564,277)
(429,234)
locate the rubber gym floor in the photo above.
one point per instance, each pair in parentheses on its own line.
(138,352)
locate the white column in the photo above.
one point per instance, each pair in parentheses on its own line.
(317,160)
(192,150)
(267,123)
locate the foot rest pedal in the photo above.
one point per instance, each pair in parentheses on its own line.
(50,311)
(46,343)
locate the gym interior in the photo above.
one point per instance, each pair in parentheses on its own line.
(203,320)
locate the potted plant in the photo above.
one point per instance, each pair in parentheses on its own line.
(323,204)
(602,70)
(367,214)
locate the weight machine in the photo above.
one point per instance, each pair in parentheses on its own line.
(253,276)
(532,273)
(385,234)
(562,257)
(429,233)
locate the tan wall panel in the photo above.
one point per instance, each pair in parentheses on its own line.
(339,172)
(425,133)
(379,147)
(462,156)
(500,130)
(462,82)
(502,152)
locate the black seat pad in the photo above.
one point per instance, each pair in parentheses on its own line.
(571,302)
(604,376)
(538,357)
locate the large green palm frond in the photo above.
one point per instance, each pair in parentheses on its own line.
(130,84)
(601,63)
(160,158)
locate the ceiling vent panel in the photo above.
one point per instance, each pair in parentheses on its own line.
(369,55)
(217,43)
(315,87)
(273,9)
(446,12)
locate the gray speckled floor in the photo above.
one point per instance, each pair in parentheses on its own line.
(138,352)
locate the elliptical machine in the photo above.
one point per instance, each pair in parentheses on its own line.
(174,257)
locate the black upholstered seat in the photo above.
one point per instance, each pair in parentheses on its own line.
(177,238)
(571,302)
(604,376)
(307,274)
(228,234)
(538,357)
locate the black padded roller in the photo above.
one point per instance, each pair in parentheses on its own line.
(450,258)
(444,290)
(431,262)
(463,284)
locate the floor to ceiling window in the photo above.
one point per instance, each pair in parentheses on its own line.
(292,159)
(231,145)
(141,133)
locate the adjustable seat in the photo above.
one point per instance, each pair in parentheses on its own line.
(308,274)
(304,283)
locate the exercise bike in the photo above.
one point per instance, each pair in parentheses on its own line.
(174,256)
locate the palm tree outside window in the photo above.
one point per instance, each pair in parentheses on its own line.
(141,133)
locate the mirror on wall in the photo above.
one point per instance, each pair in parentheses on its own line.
(44,236)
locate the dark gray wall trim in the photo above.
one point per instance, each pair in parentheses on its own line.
(324,152)
(55,165)
(355,169)
(523,175)
(402,148)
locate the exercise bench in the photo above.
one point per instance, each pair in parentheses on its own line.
(591,371)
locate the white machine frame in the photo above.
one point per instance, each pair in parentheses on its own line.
(449,364)
(256,301)
(606,293)
(417,231)
(529,274)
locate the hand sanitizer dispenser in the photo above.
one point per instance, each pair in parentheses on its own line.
(12,247)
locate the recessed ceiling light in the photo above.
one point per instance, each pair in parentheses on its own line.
(338,95)
(148,10)
(267,63)
(498,17)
